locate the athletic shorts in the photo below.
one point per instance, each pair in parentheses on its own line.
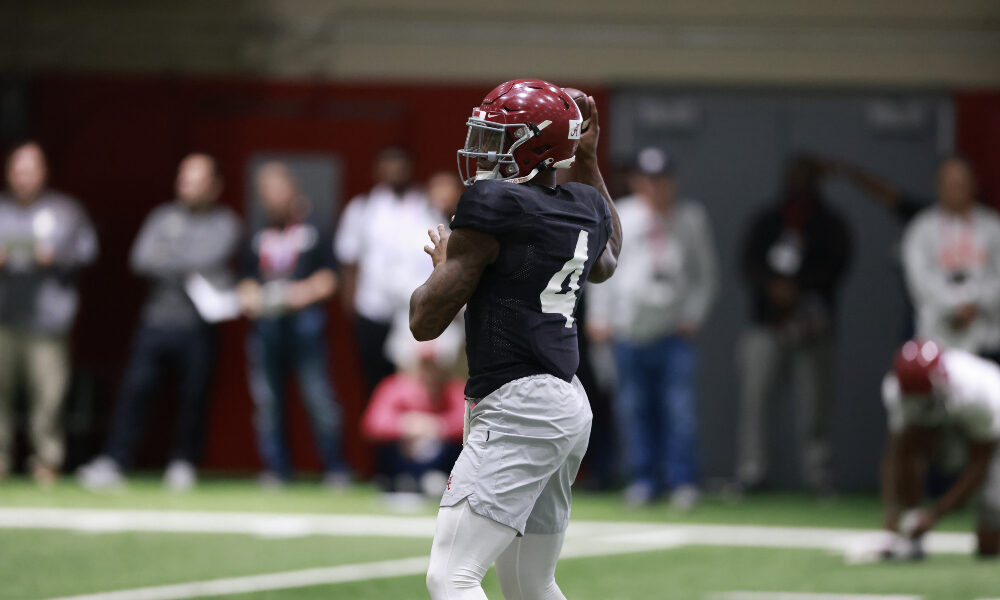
(525,444)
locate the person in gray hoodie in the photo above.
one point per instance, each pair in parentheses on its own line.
(951,255)
(46,239)
(651,311)
(193,235)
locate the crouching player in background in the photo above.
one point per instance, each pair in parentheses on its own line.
(936,398)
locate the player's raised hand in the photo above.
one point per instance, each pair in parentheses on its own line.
(587,150)
(438,248)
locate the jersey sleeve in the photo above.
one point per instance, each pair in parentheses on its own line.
(979,423)
(485,207)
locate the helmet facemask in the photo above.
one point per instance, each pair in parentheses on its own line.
(489,149)
(492,145)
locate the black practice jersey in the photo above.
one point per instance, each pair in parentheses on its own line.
(521,319)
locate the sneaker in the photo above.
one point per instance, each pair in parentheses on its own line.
(685,497)
(180,476)
(404,482)
(102,473)
(269,480)
(433,483)
(639,493)
(45,476)
(336,481)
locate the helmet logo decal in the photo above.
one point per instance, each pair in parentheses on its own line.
(575,125)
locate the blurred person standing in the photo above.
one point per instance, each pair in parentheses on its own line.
(951,254)
(794,257)
(651,311)
(192,235)
(45,240)
(373,238)
(416,417)
(288,273)
(410,269)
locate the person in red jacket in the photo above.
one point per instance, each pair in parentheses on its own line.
(415,417)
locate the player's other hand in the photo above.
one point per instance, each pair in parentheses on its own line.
(916,522)
(925,522)
(586,151)
(438,248)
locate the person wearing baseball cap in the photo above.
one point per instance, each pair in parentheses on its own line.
(651,312)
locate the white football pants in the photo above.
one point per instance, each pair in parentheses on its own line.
(466,544)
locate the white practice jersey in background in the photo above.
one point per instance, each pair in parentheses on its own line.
(971,399)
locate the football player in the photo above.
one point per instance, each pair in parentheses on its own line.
(520,249)
(934,396)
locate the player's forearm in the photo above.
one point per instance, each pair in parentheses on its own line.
(890,503)
(589,173)
(434,305)
(906,468)
(960,492)
(430,315)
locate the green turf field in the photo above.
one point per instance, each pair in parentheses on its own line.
(56,562)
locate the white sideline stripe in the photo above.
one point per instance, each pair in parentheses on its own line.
(269,582)
(615,535)
(584,538)
(262,524)
(800,596)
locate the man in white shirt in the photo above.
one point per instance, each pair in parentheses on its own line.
(951,252)
(374,246)
(941,403)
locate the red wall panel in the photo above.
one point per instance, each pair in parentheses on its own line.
(978,138)
(115,143)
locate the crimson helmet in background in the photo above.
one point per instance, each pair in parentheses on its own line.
(522,128)
(916,365)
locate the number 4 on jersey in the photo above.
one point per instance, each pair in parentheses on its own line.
(556,298)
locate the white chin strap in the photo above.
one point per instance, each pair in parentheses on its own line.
(484,174)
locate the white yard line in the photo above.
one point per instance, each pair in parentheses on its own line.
(801,596)
(263,583)
(261,524)
(584,538)
(631,534)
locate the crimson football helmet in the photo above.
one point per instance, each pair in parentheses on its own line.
(917,366)
(522,128)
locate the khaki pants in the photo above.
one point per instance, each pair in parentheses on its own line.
(767,357)
(43,360)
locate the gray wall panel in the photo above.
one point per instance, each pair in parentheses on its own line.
(731,147)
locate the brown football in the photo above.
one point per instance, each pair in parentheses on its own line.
(581,101)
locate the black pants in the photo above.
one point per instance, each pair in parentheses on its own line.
(371,336)
(186,353)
